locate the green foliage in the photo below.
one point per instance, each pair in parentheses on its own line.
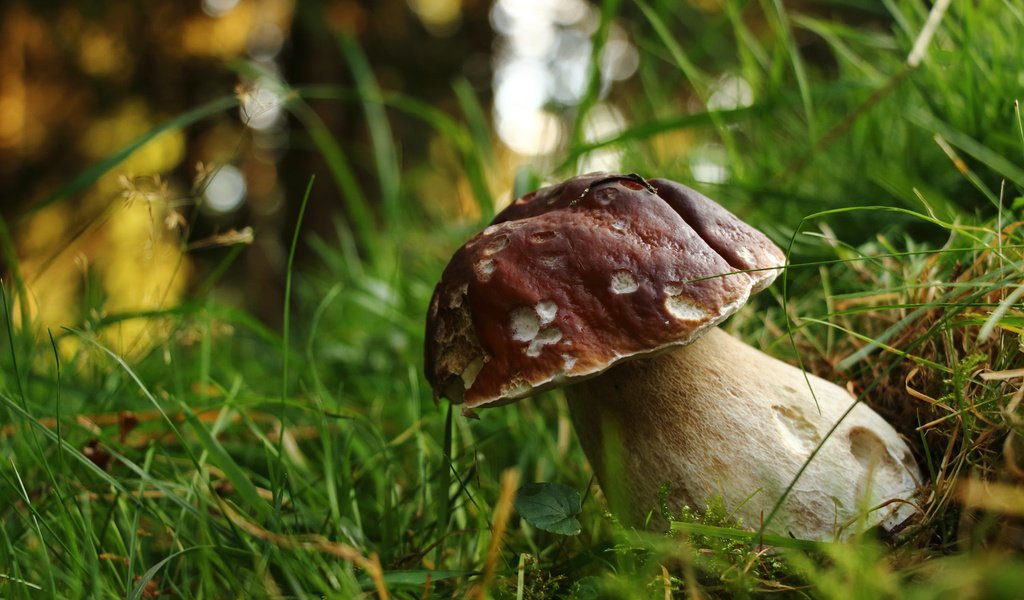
(736,563)
(860,571)
(550,506)
(532,582)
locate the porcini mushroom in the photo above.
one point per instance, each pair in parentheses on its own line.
(616,284)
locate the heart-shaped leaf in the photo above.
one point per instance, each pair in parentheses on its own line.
(550,506)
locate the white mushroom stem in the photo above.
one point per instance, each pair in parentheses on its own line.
(720,418)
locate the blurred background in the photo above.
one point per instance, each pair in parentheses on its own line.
(141,143)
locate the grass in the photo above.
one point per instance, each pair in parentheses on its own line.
(233,460)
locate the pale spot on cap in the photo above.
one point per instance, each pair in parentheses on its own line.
(553,262)
(546,310)
(546,337)
(540,237)
(683,307)
(485,268)
(525,324)
(496,245)
(623,282)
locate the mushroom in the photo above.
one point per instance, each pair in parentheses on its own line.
(615,285)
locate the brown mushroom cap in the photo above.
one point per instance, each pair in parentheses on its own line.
(575,277)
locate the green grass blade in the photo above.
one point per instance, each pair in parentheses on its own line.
(649,129)
(10,265)
(286,317)
(689,70)
(993,160)
(476,148)
(139,591)
(238,477)
(389,174)
(442,498)
(415,578)
(609,8)
(356,205)
(223,460)
(473,155)
(785,30)
(74,452)
(476,119)
(752,537)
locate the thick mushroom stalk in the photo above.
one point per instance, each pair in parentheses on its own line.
(720,418)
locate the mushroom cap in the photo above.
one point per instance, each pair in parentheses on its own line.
(576,277)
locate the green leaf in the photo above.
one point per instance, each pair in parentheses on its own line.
(550,506)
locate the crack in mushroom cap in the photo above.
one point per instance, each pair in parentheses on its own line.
(575,277)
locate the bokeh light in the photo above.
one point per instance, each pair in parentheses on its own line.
(225,191)
(218,8)
(708,164)
(603,121)
(541,71)
(730,92)
(440,17)
(529,131)
(261,107)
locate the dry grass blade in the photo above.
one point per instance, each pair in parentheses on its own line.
(1002,375)
(927,32)
(993,496)
(502,513)
(666,581)
(314,542)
